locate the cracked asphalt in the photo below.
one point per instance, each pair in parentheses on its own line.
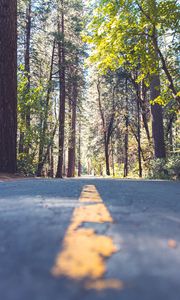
(34,217)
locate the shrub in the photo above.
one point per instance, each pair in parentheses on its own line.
(165,169)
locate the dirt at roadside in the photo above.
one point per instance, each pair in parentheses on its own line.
(11,177)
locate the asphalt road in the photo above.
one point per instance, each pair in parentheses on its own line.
(34,217)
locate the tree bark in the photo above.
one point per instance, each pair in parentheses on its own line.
(156,109)
(141,94)
(8,85)
(72,145)
(145,110)
(112,152)
(27,59)
(52,162)
(139,138)
(107,159)
(45,119)
(61,54)
(157,119)
(26,115)
(107,129)
(79,152)
(126,139)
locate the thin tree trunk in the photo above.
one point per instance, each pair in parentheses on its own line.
(107,158)
(141,94)
(106,129)
(61,53)
(8,85)
(45,119)
(144,110)
(171,139)
(136,137)
(49,145)
(27,59)
(64,163)
(79,152)
(139,139)
(26,116)
(112,151)
(126,141)
(52,162)
(72,146)
(165,69)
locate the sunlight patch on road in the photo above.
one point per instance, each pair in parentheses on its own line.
(84,251)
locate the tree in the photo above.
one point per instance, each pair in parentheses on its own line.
(128,34)
(8,85)
(62,87)
(72,133)
(26,114)
(107,122)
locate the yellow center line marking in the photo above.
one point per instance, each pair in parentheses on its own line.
(84,251)
(90,194)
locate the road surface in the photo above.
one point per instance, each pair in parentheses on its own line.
(130,228)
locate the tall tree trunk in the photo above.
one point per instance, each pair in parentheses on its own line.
(156,109)
(107,129)
(141,95)
(64,163)
(157,119)
(79,152)
(61,54)
(171,139)
(126,140)
(72,146)
(139,138)
(27,58)
(106,148)
(52,162)
(50,145)
(144,110)
(45,119)
(8,85)
(112,151)
(26,116)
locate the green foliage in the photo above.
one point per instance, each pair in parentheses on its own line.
(34,98)
(173,166)
(26,164)
(123,33)
(165,169)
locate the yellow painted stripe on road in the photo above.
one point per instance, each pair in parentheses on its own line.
(90,194)
(84,251)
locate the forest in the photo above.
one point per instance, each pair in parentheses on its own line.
(90,88)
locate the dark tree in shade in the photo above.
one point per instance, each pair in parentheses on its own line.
(8,85)
(157,120)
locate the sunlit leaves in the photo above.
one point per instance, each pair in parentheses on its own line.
(121,34)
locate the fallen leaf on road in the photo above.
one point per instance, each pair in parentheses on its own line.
(172,244)
(103,284)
